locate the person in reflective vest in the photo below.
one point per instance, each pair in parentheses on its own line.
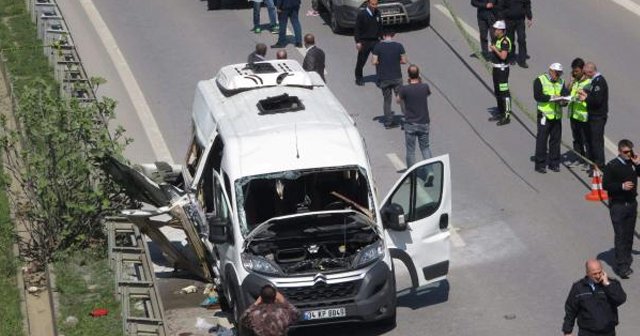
(577,110)
(499,58)
(549,92)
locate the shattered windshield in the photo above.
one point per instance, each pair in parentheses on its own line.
(262,197)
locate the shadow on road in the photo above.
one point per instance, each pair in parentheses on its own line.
(424,297)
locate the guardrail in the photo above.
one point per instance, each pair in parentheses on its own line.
(59,48)
(129,259)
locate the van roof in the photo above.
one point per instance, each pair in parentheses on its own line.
(321,134)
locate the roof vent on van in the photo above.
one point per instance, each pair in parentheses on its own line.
(241,77)
(279,104)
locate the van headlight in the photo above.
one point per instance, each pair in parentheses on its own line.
(259,264)
(369,254)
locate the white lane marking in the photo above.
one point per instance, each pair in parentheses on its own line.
(396,161)
(456,240)
(470,30)
(629,5)
(609,145)
(149,125)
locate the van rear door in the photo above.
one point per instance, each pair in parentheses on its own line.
(416,217)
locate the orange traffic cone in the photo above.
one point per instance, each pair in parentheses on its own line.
(597,194)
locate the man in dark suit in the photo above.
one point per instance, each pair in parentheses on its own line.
(314,59)
(367,33)
(516,14)
(258,55)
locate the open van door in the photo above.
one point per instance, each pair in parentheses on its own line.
(415,215)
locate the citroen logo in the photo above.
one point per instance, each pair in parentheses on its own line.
(319,278)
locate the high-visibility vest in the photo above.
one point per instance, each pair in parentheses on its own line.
(499,47)
(551,110)
(578,109)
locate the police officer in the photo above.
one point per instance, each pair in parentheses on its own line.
(499,58)
(597,97)
(577,109)
(548,88)
(486,19)
(367,32)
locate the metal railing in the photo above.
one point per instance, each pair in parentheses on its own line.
(142,310)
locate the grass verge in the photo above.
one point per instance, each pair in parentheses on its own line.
(85,282)
(9,297)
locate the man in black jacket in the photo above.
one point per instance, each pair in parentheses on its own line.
(620,181)
(367,32)
(594,301)
(597,98)
(314,58)
(486,18)
(288,10)
(514,12)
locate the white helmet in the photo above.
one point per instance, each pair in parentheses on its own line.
(500,25)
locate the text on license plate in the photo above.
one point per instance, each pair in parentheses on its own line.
(391,11)
(325,313)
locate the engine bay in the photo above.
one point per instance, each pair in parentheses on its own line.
(314,243)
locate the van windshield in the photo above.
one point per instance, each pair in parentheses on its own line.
(262,197)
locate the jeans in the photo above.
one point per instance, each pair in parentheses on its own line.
(421,133)
(283,16)
(387,86)
(271,9)
(581,142)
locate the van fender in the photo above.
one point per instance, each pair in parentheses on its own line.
(401,255)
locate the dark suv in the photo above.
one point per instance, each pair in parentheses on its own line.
(342,13)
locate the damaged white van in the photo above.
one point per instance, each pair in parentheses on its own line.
(278,186)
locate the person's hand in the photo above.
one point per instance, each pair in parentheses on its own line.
(604,279)
(489,5)
(582,95)
(627,185)
(636,160)
(280,298)
(258,301)
(358,46)
(529,23)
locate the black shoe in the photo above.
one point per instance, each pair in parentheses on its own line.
(626,273)
(523,64)
(527,57)
(278,45)
(359,82)
(503,121)
(390,125)
(555,169)
(298,45)
(541,170)
(495,117)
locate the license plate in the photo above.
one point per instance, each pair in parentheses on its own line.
(324,313)
(390,11)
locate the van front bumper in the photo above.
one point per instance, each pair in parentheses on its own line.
(366,295)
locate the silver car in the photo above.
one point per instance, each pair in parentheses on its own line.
(342,13)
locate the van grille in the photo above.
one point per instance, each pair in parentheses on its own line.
(321,294)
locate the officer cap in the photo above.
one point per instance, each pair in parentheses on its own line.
(556,67)
(499,25)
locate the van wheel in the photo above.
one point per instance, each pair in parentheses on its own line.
(333,22)
(388,323)
(214,4)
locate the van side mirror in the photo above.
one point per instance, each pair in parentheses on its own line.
(393,217)
(220,231)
